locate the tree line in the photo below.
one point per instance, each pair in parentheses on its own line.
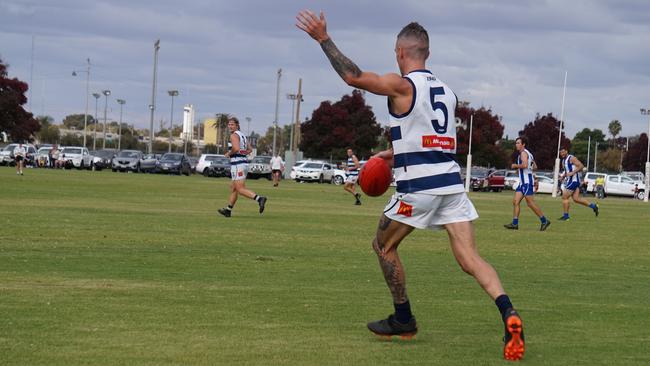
(350,123)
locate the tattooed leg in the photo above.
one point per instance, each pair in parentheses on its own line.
(389,235)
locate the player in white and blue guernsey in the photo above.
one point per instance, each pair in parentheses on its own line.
(239,169)
(571,168)
(526,189)
(351,176)
(429,192)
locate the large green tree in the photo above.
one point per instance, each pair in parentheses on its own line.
(76,121)
(14,120)
(333,127)
(487,132)
(580,144)
(542,134)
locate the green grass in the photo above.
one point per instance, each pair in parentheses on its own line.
(101,268)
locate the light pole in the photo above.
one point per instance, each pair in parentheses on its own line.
(119,133)
(596,158)
(292,98)
(152,106)
(248,126)
(646,112)
(106,94)
(277,104)
(172,93)
(87,71)
(96,95)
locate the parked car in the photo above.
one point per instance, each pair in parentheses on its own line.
(148,162)
(205,160)
(193,162)
(511,178)
(127,160)
(218,166)
(103,158)
(7,154)
(42,157)
(621,185)
(77,156)
(295,166)
(485,180)
(175,163)
(260,166)
(339,176)
(319,171)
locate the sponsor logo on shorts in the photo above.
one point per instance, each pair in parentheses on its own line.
(443,142)
(240,174)
(405,209)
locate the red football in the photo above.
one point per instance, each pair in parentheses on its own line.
(375,177)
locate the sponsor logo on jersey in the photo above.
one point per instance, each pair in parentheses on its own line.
(405,209)
(443,142)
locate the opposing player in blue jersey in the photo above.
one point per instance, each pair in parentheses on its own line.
(571,168)
(430,192)
(239,169)
(525,190)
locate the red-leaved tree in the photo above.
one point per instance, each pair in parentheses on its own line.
(487,131)
(542,136)
(18,123)
(637,155)
(332,128)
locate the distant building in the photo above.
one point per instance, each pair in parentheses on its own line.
(209,131)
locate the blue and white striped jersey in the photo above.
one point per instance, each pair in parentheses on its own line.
(424,139)
(567,165)
(240,157)
(526,174)
(352,170)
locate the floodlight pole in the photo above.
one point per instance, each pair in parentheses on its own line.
(152,106)
(106,94)
(119,133)
(277,104)
(172,93)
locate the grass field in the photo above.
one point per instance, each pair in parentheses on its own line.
(101,268)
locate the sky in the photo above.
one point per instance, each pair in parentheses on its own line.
(223,56)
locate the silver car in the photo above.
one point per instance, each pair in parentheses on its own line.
(127,160)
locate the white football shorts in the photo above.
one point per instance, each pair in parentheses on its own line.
(351,179)
(425,211)
(239,171)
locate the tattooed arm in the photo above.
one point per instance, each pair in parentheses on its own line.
(392,85)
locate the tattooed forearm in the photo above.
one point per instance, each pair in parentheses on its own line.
(343,65)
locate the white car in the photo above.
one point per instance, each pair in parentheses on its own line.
(512,177)
(7,154)
(295,166)
(544,184)
(319,171)
(621,185)
(78,156)
(205,160)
